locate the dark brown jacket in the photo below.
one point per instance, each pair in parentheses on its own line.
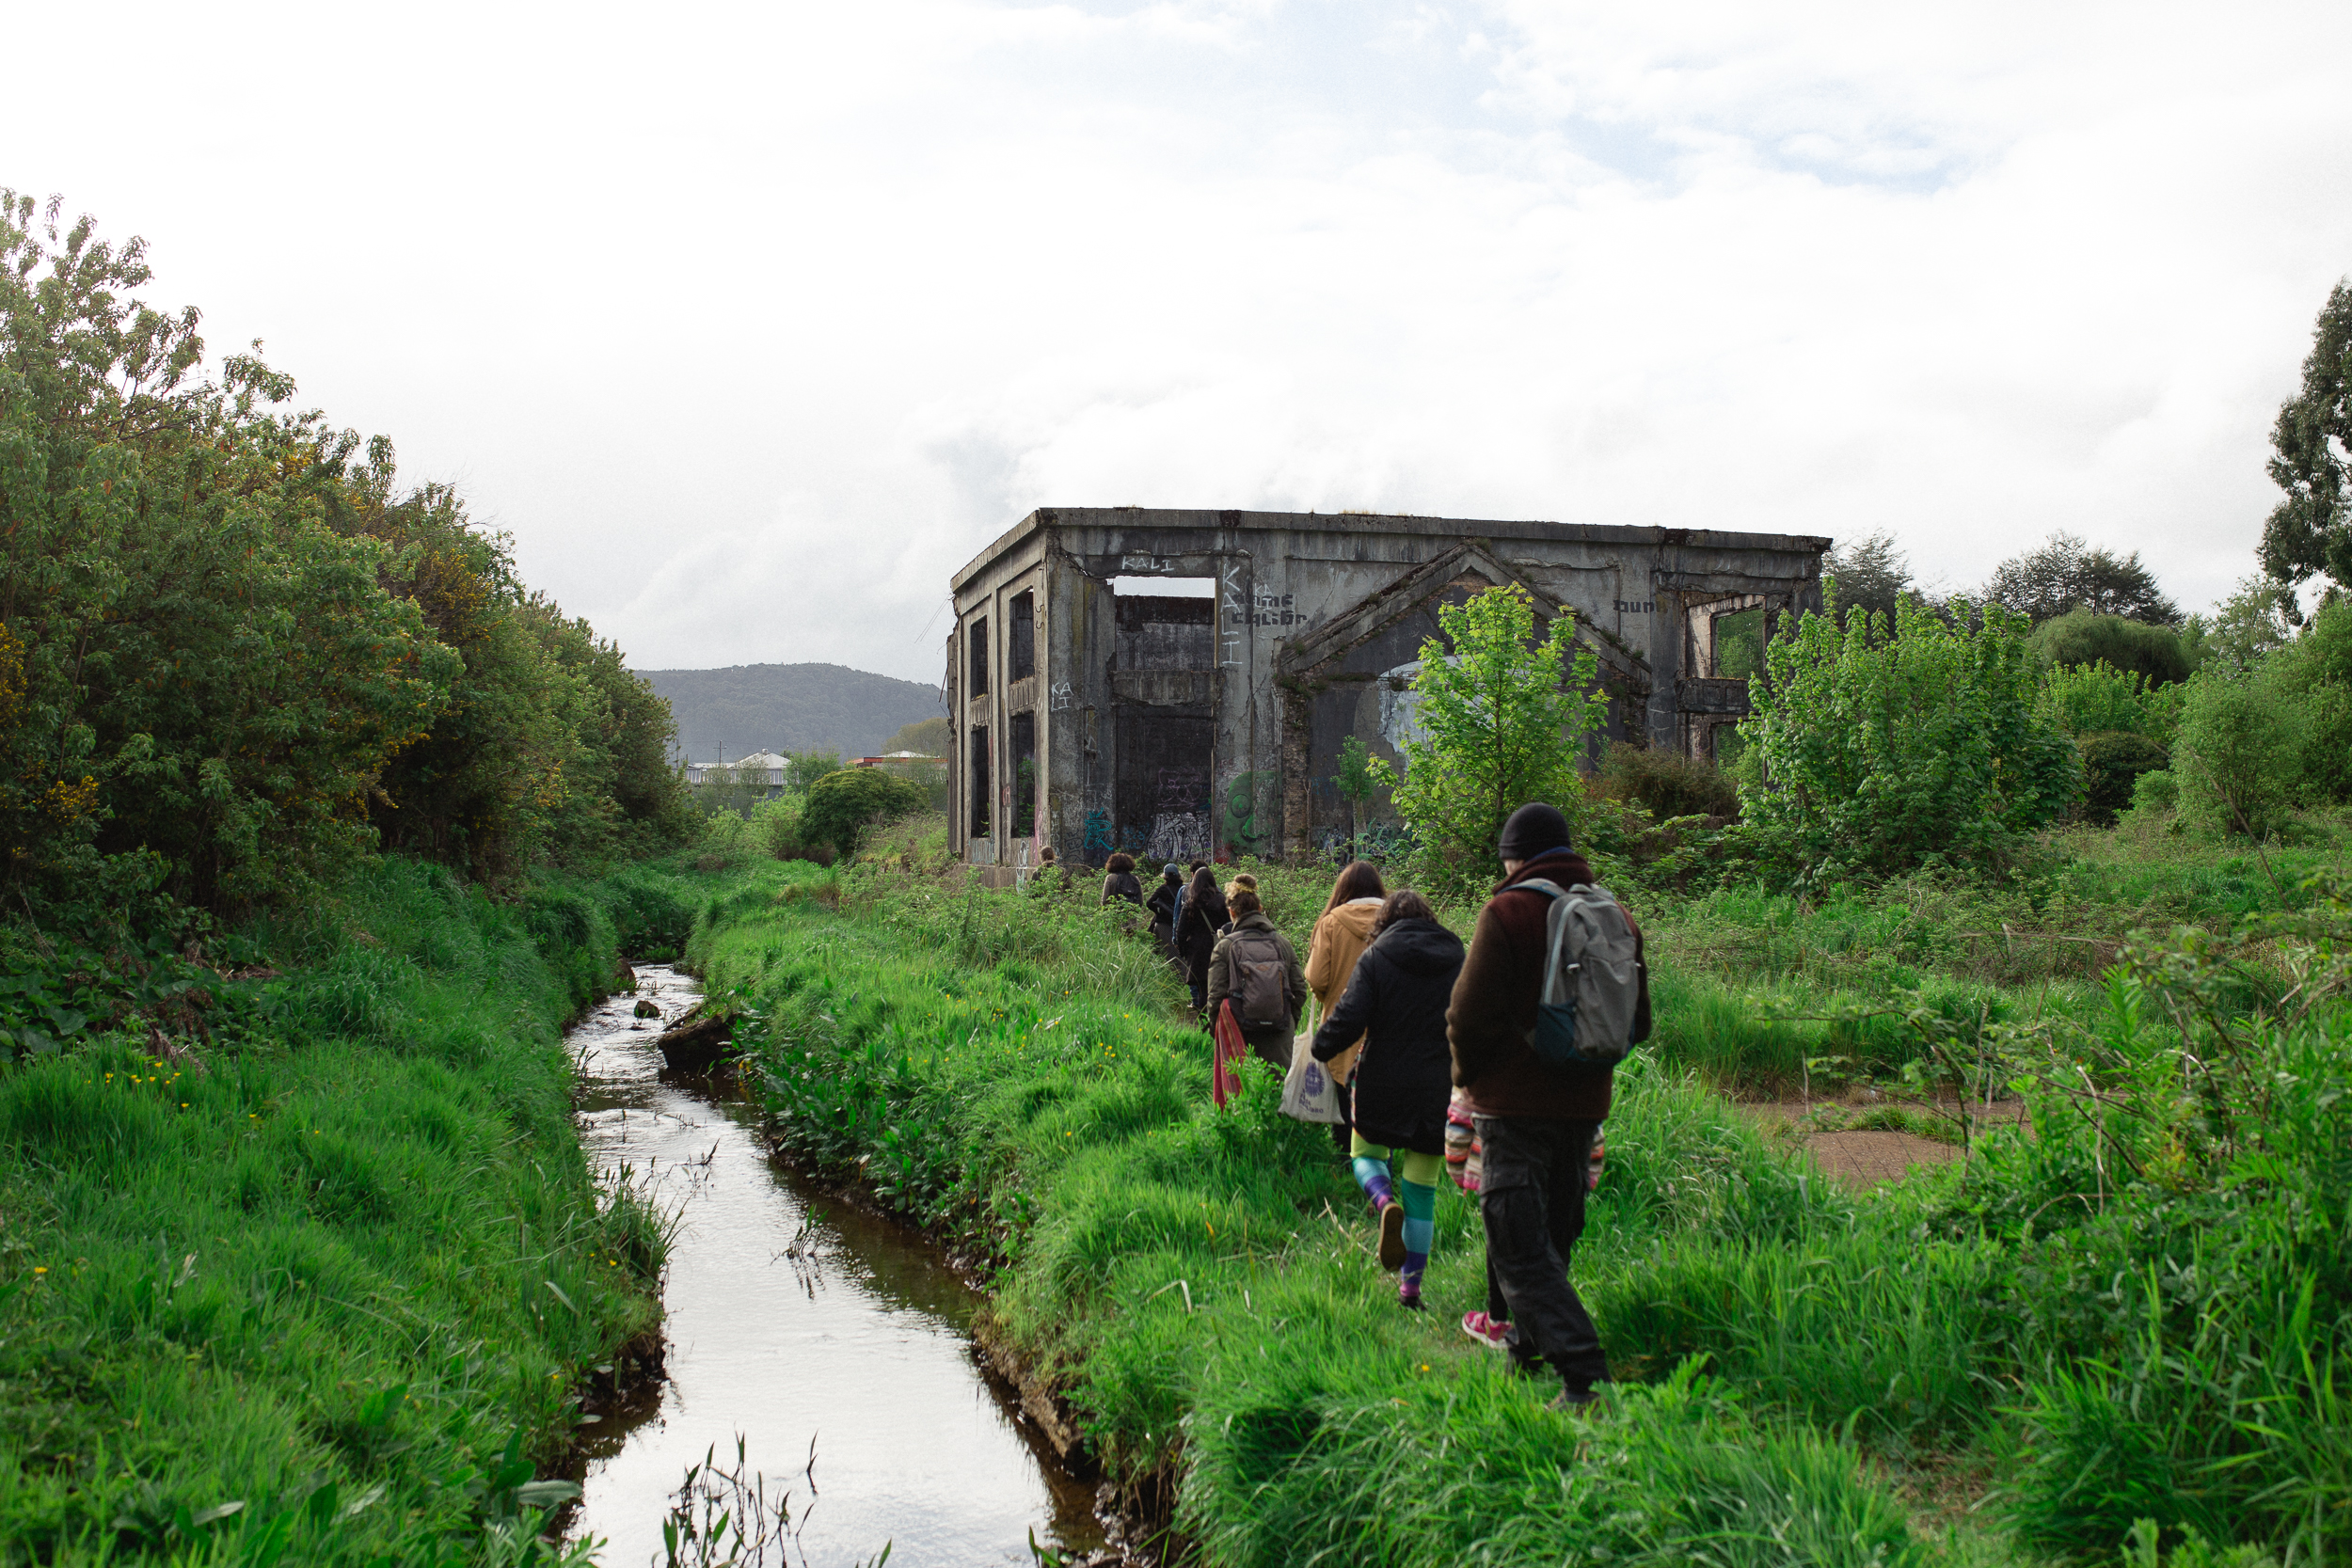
(1294,979)
(1493,1010)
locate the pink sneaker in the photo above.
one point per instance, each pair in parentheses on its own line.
(1487,1332)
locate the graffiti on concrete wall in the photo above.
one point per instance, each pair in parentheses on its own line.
(1180,836)
(1183,789)
(1098,835)
(1237,608)
(1400,706)
(1241,832)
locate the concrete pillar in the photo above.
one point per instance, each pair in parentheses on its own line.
(1665,669)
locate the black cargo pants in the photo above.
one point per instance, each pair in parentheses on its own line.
(1530,1193)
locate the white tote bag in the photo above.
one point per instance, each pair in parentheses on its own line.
(1307,1092)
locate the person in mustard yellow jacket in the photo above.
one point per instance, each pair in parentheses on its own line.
(1342,933)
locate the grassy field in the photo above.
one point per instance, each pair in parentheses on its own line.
(323,1283)
(2132,1313)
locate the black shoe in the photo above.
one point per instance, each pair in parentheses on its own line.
(1573,1399)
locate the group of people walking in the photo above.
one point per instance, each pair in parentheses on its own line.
(1414,1025)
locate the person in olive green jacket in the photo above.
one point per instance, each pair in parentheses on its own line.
(1252,939)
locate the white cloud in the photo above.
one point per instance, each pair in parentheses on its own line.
(753,324)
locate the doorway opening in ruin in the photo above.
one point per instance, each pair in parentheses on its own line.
(1160,799)
(1021,767)
(979,796)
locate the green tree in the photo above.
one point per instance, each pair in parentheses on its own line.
(1872,572)
(1882,752)
(2239,757)
(1355,783)
(1501,717)
(2314,674)
(927,738)
(2069,574)
(207,680)
(2309,533)
(2258,618)
(232,656)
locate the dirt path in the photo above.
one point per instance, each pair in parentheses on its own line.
(1859,1158)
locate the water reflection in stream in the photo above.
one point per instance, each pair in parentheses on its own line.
(791,1320)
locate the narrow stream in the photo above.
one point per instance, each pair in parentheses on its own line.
(796,1321)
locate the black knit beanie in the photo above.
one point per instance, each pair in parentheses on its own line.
(1534,829)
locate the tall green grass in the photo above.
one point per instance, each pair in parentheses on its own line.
(327,1284)
(2133,1312)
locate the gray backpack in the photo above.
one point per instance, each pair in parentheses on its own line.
(1592,978)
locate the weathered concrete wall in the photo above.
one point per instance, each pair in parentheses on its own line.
(1161,723)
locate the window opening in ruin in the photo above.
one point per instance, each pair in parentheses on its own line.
(1164,588)
(979,782)
(978,638)
(1023,761)
(1021,638)
(1162,633)
(1739,645)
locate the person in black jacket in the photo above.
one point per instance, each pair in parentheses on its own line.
(1197,926)
(1396,1000)
(1162,905)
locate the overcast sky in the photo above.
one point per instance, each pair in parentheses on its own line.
(753,324)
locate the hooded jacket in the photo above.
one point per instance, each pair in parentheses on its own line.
(1493,1012)
(1396,1002)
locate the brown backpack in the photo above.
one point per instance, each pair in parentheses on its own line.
(1256,977)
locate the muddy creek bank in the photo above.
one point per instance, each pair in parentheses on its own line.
(834,1341)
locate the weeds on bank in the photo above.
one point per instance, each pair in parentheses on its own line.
(2129,1309)
(317,1284)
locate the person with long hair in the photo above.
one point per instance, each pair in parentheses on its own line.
(1395,1005)
(1204,916)
(1342,933)
(1162,905)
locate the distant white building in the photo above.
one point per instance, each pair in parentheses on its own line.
(768,762)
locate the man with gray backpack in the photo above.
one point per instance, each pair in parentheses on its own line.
(1553,994)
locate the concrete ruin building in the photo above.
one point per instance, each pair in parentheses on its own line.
(1177,684)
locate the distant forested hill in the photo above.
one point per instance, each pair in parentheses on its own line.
(788,707)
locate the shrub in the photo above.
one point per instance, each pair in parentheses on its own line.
(2240,754)
(2316,672)
(2159,789)
(1881,753)
(2089,699)
(2081,637)
(1670,784)
(842,804)
(2113,763)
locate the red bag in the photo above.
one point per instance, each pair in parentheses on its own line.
(1225,1081)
